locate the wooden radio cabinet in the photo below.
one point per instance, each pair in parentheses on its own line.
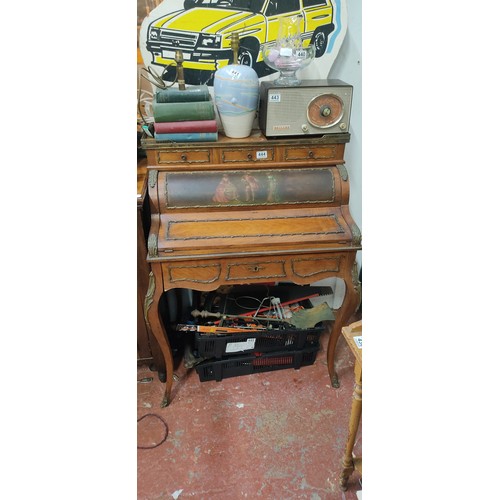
(251,210)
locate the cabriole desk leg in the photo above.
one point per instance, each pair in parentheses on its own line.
(348,462)
(343,315)
(153,319)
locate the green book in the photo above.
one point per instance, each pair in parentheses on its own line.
(190,94)
(183,111)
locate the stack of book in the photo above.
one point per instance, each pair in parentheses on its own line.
(184,115)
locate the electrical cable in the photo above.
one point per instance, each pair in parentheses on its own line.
(157,81)
(164,437)
(247,297)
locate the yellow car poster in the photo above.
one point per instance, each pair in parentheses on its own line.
(201,29)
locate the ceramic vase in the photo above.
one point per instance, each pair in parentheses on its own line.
(236,92)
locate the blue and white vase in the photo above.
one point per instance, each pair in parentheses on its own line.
(236,92)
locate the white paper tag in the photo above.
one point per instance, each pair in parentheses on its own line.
(240,346)
(261,155)
(358,341)
(274,97)
(286,51)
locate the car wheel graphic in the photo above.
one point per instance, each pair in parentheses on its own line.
(248,52)
(320,41)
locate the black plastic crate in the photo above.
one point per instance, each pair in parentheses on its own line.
(217,346)
(255,363)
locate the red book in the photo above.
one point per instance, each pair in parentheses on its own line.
(183,127)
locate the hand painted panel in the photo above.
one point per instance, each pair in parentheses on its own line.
(253,187)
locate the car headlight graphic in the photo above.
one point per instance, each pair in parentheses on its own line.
(210,40)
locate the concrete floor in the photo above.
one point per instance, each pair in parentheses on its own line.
(274,435)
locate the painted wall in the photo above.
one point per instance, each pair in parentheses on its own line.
(347,67)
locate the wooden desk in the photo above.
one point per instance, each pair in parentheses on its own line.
(251,210)
(350,463)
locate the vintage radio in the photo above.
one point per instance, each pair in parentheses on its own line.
(314,107)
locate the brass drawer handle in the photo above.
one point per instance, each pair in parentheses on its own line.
(249,156)
(311,154)
(255,268)
(184,157)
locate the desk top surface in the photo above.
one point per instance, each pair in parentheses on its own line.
(256,137)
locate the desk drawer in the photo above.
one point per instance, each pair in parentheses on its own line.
(314,266)
(193,273)
(188,156)
(311,153)
(198,274)
(209,274)
(245,155)
(258,269)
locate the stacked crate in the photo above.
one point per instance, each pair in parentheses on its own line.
(278,347)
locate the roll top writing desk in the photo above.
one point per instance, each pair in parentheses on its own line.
(253,210)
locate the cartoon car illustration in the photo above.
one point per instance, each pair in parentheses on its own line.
(203,28)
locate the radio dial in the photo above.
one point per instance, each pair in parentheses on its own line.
(325,110)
